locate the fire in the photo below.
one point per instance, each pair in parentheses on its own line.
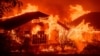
(29,8)
(35,29)
(52,26)
(77,35)
(77,11)
(81,34)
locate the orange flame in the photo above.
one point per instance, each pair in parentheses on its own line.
(77,11)
(35,29)
(57,34)
(29,8)
(76,34)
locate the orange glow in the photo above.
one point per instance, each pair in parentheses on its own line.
(81,34)
(29,8)
(76,34)
(35,29)
(77,11)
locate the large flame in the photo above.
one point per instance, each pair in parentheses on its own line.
(77,35)
(81,35)
(29,8)
(77,11)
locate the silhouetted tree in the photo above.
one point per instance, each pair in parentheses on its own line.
(8,5)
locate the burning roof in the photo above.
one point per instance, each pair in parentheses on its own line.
(16,21)
(55,33)
(92,18)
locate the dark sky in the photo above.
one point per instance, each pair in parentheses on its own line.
(61,7)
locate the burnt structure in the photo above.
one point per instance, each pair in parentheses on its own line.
(39,38)
(17,21)
(6,43)
(93,18)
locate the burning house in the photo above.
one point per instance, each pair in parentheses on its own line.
(35,32)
